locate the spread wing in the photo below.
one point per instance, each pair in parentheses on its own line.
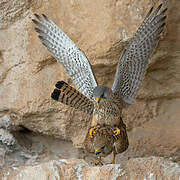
(67,53)
(132,64)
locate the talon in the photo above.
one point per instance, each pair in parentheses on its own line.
(117,131)
(92,132)
(98,162)
(93,163)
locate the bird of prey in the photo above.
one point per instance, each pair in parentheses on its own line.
(107,133)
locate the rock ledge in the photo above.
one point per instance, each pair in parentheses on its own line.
(137,168)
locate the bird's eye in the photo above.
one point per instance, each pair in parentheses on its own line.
(103,147)
(104,96)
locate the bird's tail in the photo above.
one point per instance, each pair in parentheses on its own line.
(68,95)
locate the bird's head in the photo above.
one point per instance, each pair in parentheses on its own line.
(102,146)
(101,92)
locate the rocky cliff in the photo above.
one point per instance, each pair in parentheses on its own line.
(146,168)
(101,29)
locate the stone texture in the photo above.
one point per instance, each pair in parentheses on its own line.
(2,157)
(152,168)
(101,29)
(146,168)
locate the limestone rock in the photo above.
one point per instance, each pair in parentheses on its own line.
(2,157)
(146,168)
(101,29)
(152,168)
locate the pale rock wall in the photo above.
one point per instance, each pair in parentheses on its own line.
(101,29)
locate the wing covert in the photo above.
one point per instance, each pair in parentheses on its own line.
(65,51)
(133,62)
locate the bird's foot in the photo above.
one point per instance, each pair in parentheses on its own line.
(92,132)
(113,161)
(114,157)
(98,162)
(117,131)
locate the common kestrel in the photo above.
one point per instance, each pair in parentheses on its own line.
(107,133)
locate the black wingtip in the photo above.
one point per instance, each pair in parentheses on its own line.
(164,10)
(150,11)
(41,37)
(163,18)
(45,17)
(38,30)
(55,94)
(37,16)
(163,25)
(59,84)
(37,23)
(159,7)
(34,21)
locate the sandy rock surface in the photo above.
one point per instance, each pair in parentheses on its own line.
(146,168)
(101,29)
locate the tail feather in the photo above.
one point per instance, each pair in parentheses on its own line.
(71,97)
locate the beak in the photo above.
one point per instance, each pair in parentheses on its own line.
(97,151)
(98,99)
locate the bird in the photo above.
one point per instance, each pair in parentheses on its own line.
(107,133)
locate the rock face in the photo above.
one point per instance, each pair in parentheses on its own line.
(101,29)
(146,168)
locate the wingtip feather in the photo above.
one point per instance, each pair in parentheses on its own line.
(37,16)
(35,21)
(163,11)
(45,17)
(38,30)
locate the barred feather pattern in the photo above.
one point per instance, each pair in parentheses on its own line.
(65,51)
(133,62)
(68,95)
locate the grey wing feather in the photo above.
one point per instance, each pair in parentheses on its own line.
(67,53)
(132,64)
